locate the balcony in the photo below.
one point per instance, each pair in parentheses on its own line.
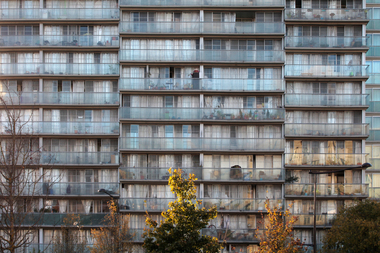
(197,55)
(59,69)
(80,189)
(202,3)
(232,205)
(320,159)
(205,84)
(327,190)
(60,14)
(374,106)
(205,174)
(58,128)
(80,158)
(202,27)
(201,114)
(59,41)
(232,235)
(373,79)
(375,163)
(200,144)
(326,130)
(57,219)
(330,100)
(62,98)
(307,220)
(322,15)
(325,42)
(315,71)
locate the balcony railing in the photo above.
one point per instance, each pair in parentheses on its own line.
(59,41)
(374,106)
(62,98)
(199,144)
(235,205)
(308,219)
(343,159)
(374,135)
(375,162)
(203,3)
(81,188)
(373,79)
(327,190)
(57,219)
(326,14)
(61,14)
(197,55)
(59,69)
(204,84)
(374,192)
(329,100)
(304,70)
(56,127)
(77,158)
(202,27)
(205,174)
(373,24)
(325,129)
(373,51)
(325,41)
(203,114)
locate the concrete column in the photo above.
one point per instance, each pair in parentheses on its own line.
(201,71)
(201,130)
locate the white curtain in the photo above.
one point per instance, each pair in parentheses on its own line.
(87,205)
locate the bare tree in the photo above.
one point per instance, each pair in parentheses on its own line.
(69,238)
(22,192)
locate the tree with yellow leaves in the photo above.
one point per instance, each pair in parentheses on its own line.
(278,233)
(114,236)
(179,232)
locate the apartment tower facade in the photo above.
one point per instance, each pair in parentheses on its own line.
(249,95)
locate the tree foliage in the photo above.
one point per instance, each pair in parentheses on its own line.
(356,229)
(179,232)
(68,239)
(278,234)
(115,235)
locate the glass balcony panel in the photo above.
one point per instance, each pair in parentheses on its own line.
(95,158)
(160,204)
(304,70)
(325,99)
(59,69)
(201,114)
(374,106)
(155,173)
(56,13)
(373,79)
(220,84)
(195,55)
(57,127)
(374,192)
(63,98)
(308,219)
(325,41)
(344,159)
(236,235)
(325,190)
(148,143)
(206,174)
(54,219)
(232,3)
(202,27)
(373,51)
(59,41)
(325,14)
(82,188)
(373,24)
(320,130)
(375,163)
(374,135)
